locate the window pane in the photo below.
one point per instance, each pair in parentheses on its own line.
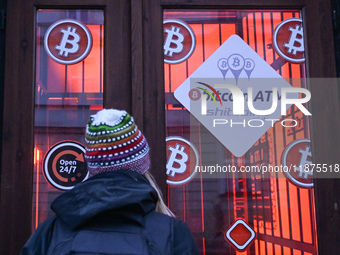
(68,89)
(279,211)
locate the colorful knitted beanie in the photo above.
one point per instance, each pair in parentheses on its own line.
(114,142)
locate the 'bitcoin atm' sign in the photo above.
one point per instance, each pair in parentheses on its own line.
(68,41)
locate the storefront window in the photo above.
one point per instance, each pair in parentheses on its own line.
(237,212)
(68,89)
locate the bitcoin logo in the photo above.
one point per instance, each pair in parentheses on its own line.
(179,41)
(194,94)
(249,66)
(236,62)
(223,64)
(302,168)
(68,41)
(288,40)
(297,158)
(70,32)
(295,32)
(181,160)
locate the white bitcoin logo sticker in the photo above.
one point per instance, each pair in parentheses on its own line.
(182,159)
(288,40)
(298,157)
(68,41)
(70,37)
(179,41)
(304,160)
(295,37)
(174,37)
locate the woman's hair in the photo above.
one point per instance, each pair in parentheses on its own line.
(160,206)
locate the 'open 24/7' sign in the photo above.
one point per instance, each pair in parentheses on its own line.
(64,165)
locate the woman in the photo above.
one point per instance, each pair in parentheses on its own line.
(119,210)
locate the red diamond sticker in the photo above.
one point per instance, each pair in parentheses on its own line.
(240,235)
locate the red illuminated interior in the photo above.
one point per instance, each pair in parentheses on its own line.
(281,213)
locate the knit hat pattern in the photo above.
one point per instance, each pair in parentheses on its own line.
(113,142)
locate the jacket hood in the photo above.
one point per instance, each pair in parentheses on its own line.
(122,193)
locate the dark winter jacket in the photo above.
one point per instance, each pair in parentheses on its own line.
(103,202)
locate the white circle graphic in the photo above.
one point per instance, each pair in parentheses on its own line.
(276,46)
(192,175)
(193,44)
(82,56)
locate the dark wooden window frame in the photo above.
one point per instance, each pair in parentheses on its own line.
(134,72)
